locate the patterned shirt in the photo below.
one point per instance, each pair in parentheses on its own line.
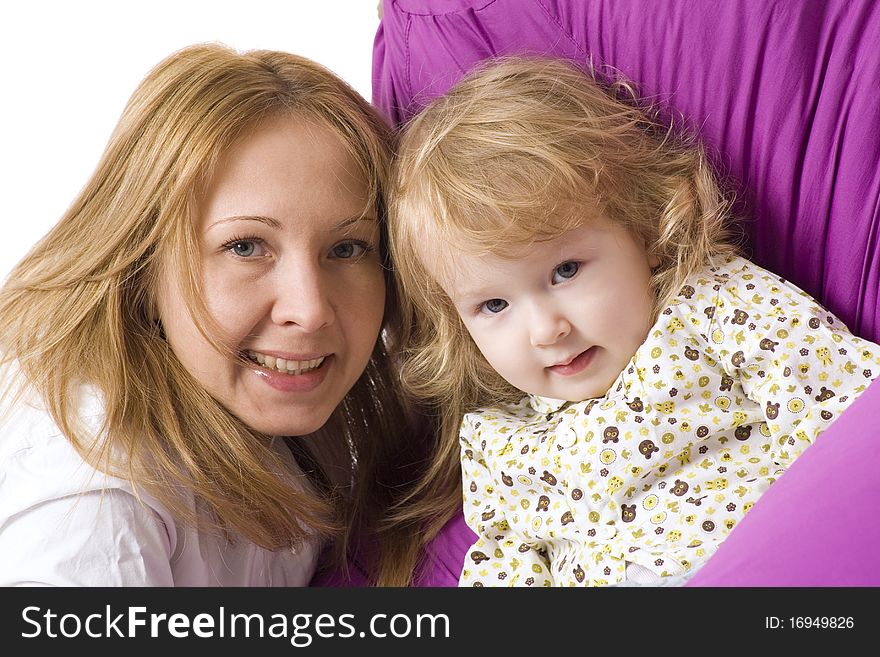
(736,378)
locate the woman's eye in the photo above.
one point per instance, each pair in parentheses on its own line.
(565,271)
(350,250)
(244,248)
(494,305)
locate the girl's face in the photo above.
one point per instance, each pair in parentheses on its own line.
(561,318)
(291,274)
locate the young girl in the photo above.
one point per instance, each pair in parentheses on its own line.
(629,385)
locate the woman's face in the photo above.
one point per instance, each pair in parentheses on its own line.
(291,274)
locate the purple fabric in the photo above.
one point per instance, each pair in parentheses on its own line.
(784,93)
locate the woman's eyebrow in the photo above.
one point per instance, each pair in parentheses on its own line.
(269,221)
(274,223)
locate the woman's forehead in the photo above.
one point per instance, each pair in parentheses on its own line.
(287,169)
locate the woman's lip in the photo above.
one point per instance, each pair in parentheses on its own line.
(575,365)
(286,355)
(294,382)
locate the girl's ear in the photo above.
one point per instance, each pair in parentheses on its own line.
(653,261)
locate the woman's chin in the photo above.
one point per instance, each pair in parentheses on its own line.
(290,426)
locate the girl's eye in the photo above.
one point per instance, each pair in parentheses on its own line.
(494,305)
(565,271)
(350,250)
(245,248)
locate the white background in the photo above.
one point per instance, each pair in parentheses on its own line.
(68,67)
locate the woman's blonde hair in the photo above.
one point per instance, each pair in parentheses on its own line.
(521,151)
(80,308)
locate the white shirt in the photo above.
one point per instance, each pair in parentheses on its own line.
(63,523)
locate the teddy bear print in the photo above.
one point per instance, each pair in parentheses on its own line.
(687,291)
(548,478)
(680,488)
(739,317)
(636,405)
(506,479)
(738,359)
(567,517)
(743,432)
(610,435)
(726,383)
(768,345)
(627,512)
(772,410)
(579,574)
(647,448)
(478,556)
(543,503)
(691,354)
(824,394)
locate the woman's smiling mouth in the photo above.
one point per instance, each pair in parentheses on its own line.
(283,365)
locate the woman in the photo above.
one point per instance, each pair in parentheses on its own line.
(196,387)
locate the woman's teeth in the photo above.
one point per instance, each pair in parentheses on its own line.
(293,367)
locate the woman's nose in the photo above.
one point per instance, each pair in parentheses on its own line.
(302,297)
(547,327)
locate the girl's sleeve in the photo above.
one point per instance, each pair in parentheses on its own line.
(795,359)
(499,557)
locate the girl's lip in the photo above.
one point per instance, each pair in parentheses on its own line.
(576,365)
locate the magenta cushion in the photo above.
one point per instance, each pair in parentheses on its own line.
(784,94)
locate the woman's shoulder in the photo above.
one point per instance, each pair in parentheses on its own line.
(38,462)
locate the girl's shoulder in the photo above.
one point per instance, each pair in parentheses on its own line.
(509,417)
(736,281)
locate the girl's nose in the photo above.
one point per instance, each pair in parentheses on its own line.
(547,327)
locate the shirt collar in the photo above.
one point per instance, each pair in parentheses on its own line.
(545,404)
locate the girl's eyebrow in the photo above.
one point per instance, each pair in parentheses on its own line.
(350,221)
